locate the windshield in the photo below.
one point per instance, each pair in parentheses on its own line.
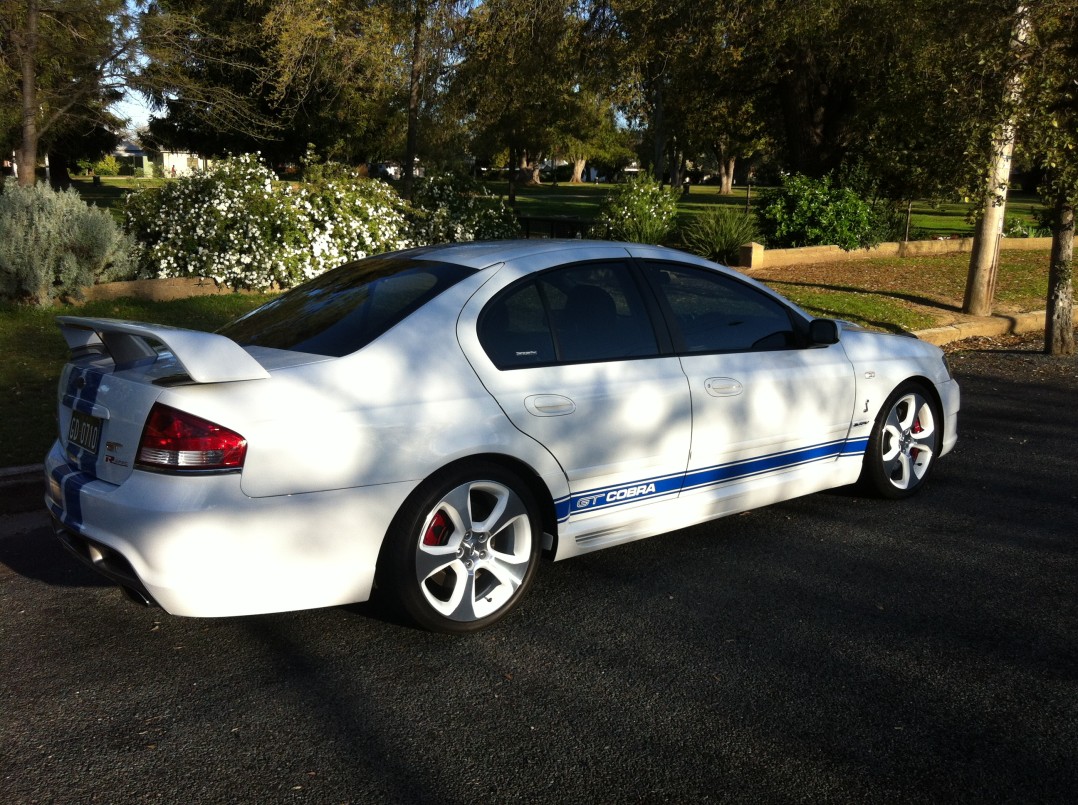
(345,309)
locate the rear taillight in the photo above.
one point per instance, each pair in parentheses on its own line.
(174,440)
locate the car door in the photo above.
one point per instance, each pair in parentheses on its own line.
(572,356)
(765,400)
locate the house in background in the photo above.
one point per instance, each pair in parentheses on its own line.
(134,159)
(144,160)
(179,163)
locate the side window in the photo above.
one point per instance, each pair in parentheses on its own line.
(586,312)
(514,330)
(714,313)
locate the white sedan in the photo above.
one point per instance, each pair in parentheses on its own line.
(431,421)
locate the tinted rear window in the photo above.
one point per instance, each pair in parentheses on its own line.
(345,309)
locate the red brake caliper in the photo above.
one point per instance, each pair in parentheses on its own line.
(438,531)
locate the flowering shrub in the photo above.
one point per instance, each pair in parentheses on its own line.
(54,244)
(233,224)
(641,211)
(813,212)
(448,209)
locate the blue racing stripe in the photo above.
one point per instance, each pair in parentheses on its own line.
(82,397)
(71,482)
(723,473)
(665,486)
(80,393)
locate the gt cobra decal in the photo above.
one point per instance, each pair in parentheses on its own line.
(605,497)
(654,488)
(618,494)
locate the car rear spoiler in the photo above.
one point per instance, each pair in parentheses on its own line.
(205,357)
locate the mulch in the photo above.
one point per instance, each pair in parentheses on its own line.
(1013,356)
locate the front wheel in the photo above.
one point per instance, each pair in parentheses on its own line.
(464,549)
(904,444)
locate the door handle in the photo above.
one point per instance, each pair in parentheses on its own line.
(723,387)
(549,405)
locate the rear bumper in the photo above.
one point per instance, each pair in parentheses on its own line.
(102,559)
(198,546)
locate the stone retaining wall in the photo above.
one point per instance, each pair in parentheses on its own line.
(157,290)
(754,255)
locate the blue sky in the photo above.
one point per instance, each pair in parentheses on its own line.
(133,108)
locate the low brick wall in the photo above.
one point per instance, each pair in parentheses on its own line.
(156,290)
(754,255)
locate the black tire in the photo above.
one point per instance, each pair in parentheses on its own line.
(904,444)
(463,549)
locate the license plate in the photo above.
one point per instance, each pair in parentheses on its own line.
(84,431)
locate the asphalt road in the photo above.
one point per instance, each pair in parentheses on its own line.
(832,648)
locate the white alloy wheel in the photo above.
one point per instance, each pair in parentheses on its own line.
(470,551)
(904,442)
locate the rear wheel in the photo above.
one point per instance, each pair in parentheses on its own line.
(465,548)
(904,444)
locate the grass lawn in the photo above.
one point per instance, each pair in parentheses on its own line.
(583,201)
(111,191)
(911,293)
(888,294)
(36,352)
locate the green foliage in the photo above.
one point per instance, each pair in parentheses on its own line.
(718,233)
(53,244)
(448,209)
(1014,227)
(813,212)
(108,165)
(640,211)
(234,224)
(36,353)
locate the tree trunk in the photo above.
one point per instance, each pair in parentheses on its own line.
(726,172)
(415,96)
(578,171)
(60,178)
(984,258)
(657,125)
(512,176)
(1059,318)
(27,157)
(675,167)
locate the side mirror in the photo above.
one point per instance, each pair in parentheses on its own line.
(823,331)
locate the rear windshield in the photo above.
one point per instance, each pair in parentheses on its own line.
(345,309)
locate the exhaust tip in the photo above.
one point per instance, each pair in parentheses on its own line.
(137,597)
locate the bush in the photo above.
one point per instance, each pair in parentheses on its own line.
(812,212)
(449,209)
(233,224)
(53,244)
(639,211)
(1017,228)
(719,232)
(107,166)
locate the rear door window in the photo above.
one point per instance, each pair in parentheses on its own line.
(581,313)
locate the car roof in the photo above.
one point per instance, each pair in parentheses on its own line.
(484,254)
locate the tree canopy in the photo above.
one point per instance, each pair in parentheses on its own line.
(916,95)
